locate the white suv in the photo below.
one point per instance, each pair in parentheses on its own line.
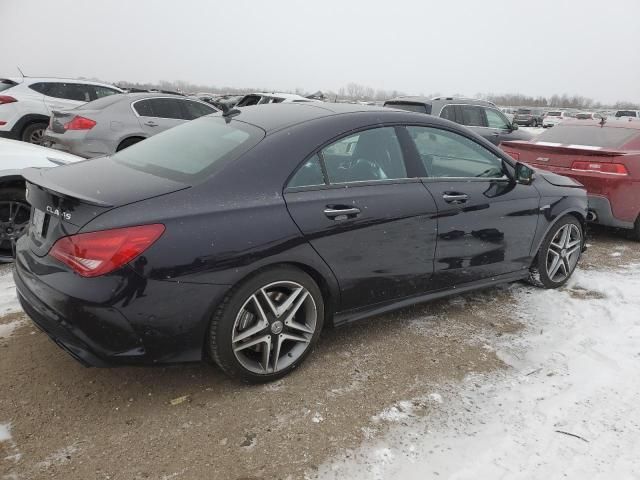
(26,103)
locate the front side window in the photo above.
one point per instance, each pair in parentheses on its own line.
(308,175)
(366,156)
(472,116)
(495,119)
(450,155)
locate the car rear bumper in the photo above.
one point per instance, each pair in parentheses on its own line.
(77,143)
(600,212)
(117,319)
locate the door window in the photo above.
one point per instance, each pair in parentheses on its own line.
(370,155)
(472,116)
(193,110)
(144,108)
(449,112)
(450,155)
(495,119)
(159,108)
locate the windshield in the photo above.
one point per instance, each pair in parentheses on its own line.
(191,151)
(588,135)
(410,107)
(554,114)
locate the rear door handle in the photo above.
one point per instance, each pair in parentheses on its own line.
(151,124)
(455,197)
(339,213)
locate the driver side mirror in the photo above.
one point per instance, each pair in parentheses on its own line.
(524,174)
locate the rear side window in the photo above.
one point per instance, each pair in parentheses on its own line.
(450,155)
(449,112)
(167,108)
(366,156)
(99,91)
(69,91)
(410,107)
(193,110)
(588,135)
(144,108)
(309,174)
(191,151)
(6,84)
(40,87)
(472,116)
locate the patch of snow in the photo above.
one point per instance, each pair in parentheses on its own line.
(396,413)
(8,298)
(59,457)
(568,407)
(615,254)
(436,397)
(5,432)
(317,418)
(6,329)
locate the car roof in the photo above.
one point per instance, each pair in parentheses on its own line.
(442,100)
(141,95)
(56,79)
(275,116)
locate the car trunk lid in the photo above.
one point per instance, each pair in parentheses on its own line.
(64,199)
(544,154)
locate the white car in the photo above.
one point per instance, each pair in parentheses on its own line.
(26,103)
(14,209)
(554,117)
(628,114)
(262,98)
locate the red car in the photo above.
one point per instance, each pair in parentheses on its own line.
(603,156)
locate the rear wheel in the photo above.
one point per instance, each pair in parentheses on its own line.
(34,133)
(267,325)
(558,255)
(636,230)
(127,143)
(14,220)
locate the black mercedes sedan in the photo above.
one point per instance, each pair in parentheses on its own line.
(239,236)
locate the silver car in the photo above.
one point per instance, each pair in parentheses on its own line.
(109,124)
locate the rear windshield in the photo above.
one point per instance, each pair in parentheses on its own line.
(554,114)
(589,135)
(192,151)
(410,107)
(524,111)
(102,102)
(583,116)
(5,84)
(625,113)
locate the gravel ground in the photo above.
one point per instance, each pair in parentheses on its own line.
(61,420)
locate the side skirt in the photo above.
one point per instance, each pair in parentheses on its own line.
(342,318)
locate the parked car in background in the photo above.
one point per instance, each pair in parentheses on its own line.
(628,114)
(14,209)
(26,103)
(508,112)
(554,117)
(273,97)
(530,117)
(605,158)
(234,237)
(481,116)
(113,123)
(589,116)
(221,102)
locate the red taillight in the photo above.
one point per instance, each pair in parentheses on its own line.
(80,123)
(7,99)
(608,168)
(96,253)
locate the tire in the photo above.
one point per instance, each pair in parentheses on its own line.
(544,272)
(636,230)
(12,205)
(238,315)
(127,143)
(34,133)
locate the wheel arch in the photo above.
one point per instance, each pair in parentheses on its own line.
(29,119)
(573,212)
(130,137)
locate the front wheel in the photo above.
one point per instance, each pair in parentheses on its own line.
(558,255)
(267,325)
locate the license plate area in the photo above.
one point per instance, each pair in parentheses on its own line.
(38,223)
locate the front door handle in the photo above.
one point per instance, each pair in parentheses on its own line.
(340,213)
(151,123)
(455,197)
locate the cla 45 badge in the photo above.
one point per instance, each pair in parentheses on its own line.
(58,213)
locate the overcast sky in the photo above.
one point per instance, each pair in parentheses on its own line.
(536,47)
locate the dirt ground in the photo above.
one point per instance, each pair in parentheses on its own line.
(71,422)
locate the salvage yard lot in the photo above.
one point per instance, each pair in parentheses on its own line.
(420,387)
